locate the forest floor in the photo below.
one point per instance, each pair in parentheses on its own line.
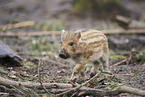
(54,69)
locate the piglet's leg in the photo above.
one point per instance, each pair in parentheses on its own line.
(77,70)
(104,60)
(83,74)
(95,68)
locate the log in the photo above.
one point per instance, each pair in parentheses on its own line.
(62,87)
(9,57)
(57,33)
(128,23)
(17,25)
(7,82)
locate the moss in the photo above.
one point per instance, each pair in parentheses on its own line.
(14,21)
(95,5)
(3,71)
(114,56)
(141,56)
(20,8)
(115,85)
(30,65)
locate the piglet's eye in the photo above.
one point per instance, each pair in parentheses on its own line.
(61,43)
(71,43)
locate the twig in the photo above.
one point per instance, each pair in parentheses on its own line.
(48,60)
(39,77)
(118,63)
(124,75)
(1,93)
(73,89)
(73,95)
(129,58)
(106,72)
(3,71)
(17,89)
(17,25)
(73,84)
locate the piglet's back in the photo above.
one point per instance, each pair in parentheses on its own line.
(94,39)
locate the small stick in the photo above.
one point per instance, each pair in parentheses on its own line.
(51,61)
(17,25)
(17,89)
(118,63)
(124,74)
(1,93)
(39,77)
(73,89)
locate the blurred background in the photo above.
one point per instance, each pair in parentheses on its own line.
(70,14)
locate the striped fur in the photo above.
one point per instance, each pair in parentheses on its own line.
(85,46)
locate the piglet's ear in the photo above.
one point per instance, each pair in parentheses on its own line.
(78,34)
(63,31)
(62,34)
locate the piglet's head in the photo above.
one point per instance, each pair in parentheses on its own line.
(69,44)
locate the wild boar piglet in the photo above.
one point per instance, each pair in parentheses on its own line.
(85,46)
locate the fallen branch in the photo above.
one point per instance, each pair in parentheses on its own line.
(7,82)
(129,23)
(17,25)
(56,33)
(62,87)
(99,92)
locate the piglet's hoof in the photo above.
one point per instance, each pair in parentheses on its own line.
(73,79)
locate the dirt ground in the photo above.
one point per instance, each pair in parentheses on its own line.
(55,69)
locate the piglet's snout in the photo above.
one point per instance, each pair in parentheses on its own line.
(63,55)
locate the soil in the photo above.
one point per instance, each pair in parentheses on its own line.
(59,70)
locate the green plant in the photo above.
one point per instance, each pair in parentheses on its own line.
(115,85)
(95,5)
(141,56)
(114,56)
(52,25)
(42,46)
